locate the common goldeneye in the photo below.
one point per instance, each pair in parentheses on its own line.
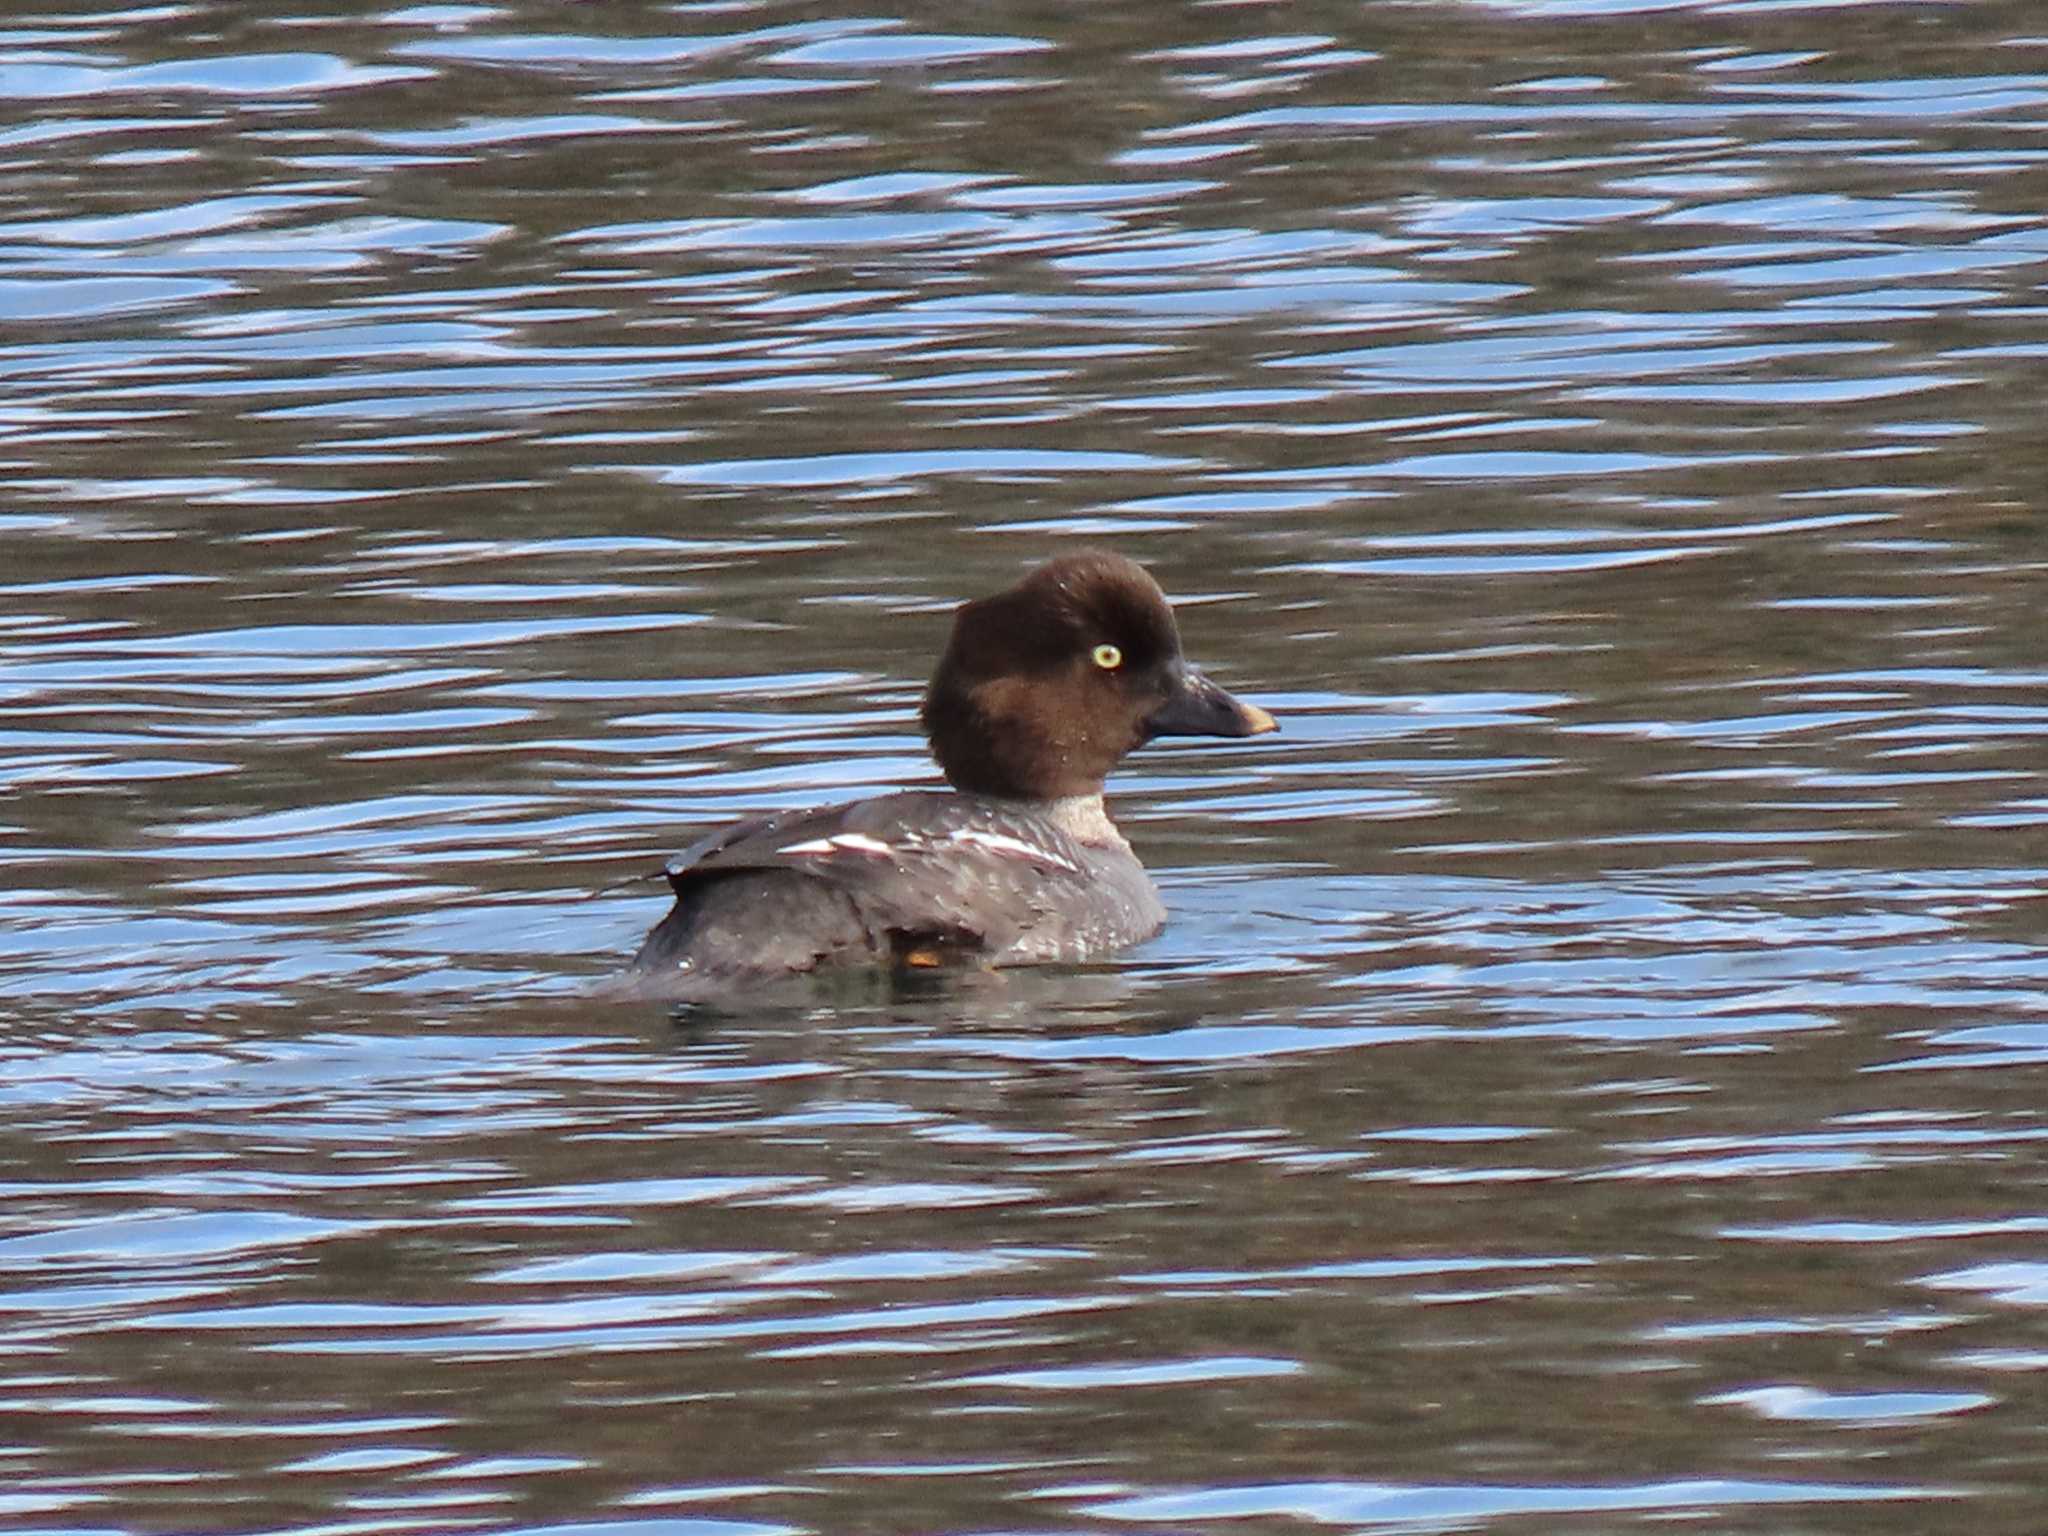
(1041,691)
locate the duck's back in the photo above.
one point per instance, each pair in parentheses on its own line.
(909,879)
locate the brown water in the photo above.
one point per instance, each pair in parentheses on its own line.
(1594,1076)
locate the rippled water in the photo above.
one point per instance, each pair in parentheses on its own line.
(459,453)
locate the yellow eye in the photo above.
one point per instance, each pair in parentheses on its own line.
(1108,657)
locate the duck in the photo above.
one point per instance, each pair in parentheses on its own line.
(1040,692)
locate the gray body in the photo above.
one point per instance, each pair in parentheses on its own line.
(917,879)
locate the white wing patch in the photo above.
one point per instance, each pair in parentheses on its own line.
(1009,847)
(843,842)
(999,843)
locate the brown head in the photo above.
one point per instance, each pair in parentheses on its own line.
(1043,688)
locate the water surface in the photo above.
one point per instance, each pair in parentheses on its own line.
(459,454)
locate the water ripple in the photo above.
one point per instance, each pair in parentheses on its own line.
(461,454)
